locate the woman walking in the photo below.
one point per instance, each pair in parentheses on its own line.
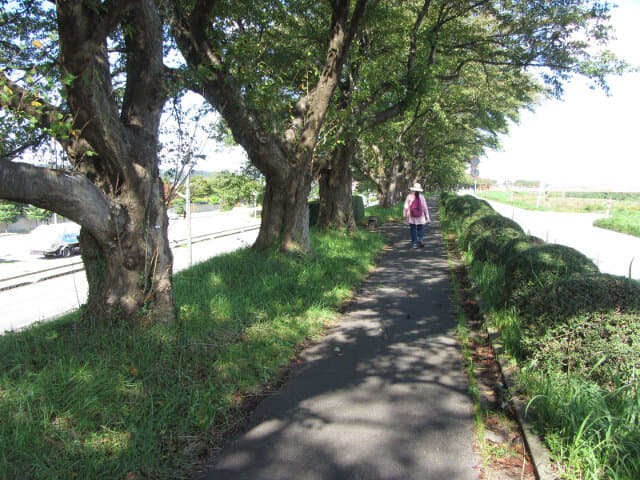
(416,212)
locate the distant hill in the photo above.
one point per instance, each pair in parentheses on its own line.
(201,172)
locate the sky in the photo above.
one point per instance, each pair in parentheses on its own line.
(586,140)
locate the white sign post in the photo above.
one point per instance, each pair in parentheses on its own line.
(255,204)
(475,172)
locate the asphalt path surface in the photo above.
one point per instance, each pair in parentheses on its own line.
(383,396)
(49,299)
(614,253)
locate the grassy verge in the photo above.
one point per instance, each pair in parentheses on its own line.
(386,214)
(623,221)
(499,437)
(590,428)
(625,212)
(573,334)
(79,401)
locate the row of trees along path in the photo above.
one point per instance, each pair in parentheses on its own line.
(399,91)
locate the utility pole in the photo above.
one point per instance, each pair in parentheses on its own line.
(187,211)
(188,207)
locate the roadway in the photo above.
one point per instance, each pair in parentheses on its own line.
(44,300)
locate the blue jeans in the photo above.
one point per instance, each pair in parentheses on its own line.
(417,233)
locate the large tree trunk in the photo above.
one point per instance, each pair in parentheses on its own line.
(114,189)
(123,239)
(336,204)
(285,213)
(129,264)
(130,271)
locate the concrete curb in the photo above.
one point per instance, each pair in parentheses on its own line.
(540,454)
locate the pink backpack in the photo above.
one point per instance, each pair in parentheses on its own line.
(416,207)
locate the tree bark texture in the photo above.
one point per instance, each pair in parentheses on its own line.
(336,204)
(129,265)
(114,189)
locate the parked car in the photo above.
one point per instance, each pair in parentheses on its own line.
(59,240)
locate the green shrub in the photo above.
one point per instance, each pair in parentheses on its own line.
(602,347)
(358,207)
(518,245)
(586,324)
(574,332)
(445,197)
(540,266)
(580,295)
(490,245)
(465,206)
(480,224)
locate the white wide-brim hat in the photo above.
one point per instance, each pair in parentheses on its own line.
(416,187)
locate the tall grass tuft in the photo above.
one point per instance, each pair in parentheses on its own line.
(596,430)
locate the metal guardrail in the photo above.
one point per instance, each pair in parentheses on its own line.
(61,270)
(212,236)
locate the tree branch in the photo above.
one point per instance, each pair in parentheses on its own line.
(70,195)
(113,11)
(221,89)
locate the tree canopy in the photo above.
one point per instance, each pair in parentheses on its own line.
(401,90)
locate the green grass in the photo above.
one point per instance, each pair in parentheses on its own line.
(623,221)
(550,202)
(89,402)
(595,430)
(625,207)
(579,372)
(385,214)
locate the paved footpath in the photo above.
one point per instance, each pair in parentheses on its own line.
(383,396)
